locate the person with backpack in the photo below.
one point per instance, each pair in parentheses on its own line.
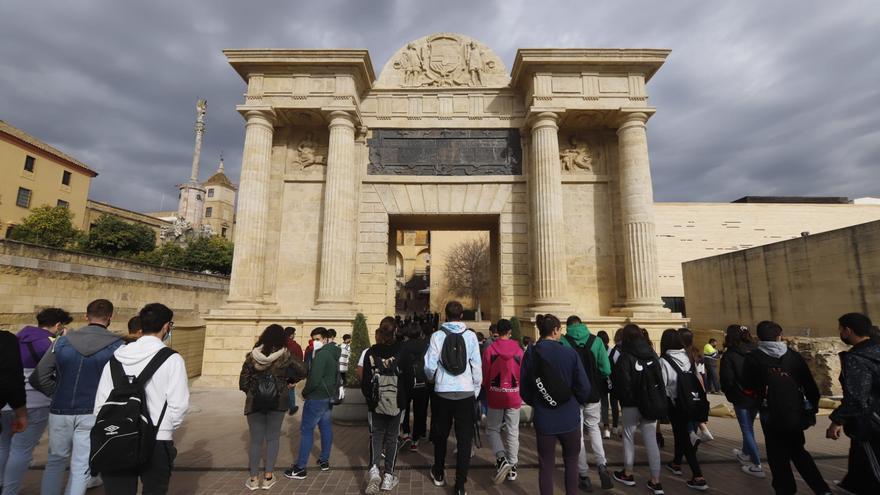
(594,357)
(687,401)
(453,364)
(413,349)
(159,377)
(738,343)
(637,376)
(338,389)
(266,375)
(788,400)
(319,391)
(16,451)
(69,373)
(501,373)
(553,382)
(859,412)
(386,385)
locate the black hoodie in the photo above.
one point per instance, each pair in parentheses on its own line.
(623,370)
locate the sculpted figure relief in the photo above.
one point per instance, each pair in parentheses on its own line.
(576,157)
(306,150)
(445,60)
(474,59)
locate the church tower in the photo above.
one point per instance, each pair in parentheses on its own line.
(220,203)
(191,205)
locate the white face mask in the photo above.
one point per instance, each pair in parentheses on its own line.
(317,344)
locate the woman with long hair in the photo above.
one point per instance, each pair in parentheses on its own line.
(678,364)
(266,374)
(738,342)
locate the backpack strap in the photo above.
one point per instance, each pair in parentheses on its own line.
(117,373)
(589,344)
(32,351)
(675,366)
(154,364)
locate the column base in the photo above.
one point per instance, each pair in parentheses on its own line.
(561,309)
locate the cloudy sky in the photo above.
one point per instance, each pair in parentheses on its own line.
(757,98)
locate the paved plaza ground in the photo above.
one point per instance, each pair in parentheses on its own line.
(212,459)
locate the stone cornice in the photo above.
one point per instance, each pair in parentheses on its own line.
(248,61)
(528,59)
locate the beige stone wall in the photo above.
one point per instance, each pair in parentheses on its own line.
(803,284)
(690,231)
(33,278)
(96,209)
(442,242)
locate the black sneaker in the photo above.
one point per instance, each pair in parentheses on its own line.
(438,476)
(605,478)
(511,475)
(325,465)
(404,442)
(460,491)
(295,473)
(698,484)
(626,479)
(656,488)
(585,484)
(674,468)
(502,467)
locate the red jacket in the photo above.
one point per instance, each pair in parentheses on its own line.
(294,348)
(502,381)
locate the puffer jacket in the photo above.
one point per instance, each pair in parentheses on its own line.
(732,363)
(860,378)
(279,363)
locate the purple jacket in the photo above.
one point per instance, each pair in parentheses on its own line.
(39,339)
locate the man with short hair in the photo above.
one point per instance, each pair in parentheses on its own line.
(454,398)
(69,372)
(317,393)
(167,391)
(773,364)
(860,378)
(134,327)
(16,451)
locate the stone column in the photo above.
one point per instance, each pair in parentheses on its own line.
(246,283)
(637,216)
(339,236)
(549,270)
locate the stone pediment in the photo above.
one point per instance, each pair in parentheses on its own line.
(444,60)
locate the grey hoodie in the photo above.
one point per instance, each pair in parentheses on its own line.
(773,348)
(670,376)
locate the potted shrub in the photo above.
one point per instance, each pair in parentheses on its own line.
(353,409)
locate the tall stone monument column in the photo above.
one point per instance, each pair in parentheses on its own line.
(549,271)
(339,236)
(246,283)
(637,215)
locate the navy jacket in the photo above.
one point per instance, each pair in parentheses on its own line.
(567,363)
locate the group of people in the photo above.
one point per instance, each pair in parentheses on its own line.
(71,381)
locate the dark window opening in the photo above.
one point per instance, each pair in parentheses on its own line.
(675,304)
(24,197)
(210,193)
(208,211)
(65,178)
(29,163)
(63,204)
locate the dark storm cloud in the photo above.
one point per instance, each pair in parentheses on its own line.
(756,98)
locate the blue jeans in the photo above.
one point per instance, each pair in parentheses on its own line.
(16,451)
(68,439)
(315,413)
(746,419)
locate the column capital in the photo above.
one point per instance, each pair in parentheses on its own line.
(264,116)
(545,119)
(632,119)
(342,118)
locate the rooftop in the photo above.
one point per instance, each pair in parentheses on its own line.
(23,137)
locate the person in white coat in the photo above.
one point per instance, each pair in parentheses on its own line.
(168,386)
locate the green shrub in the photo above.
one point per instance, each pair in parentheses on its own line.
(515,330)
(360,341)
(47,226)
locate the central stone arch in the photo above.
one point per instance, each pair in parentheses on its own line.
(551,158)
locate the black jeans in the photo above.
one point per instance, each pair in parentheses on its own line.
(155,477)
(419,405)
(785,448)
(571,448)
(683,447)
(443,413)
(860,476)
(383,438)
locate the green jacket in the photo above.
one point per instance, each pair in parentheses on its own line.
(580,333)
(322,375)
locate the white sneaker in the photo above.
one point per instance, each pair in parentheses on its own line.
(706,435)
(375,480)
(94,481)
(694,438)
(390,482)
(606,434)
(742,458)
(754,470)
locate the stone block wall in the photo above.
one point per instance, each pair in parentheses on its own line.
(33,278)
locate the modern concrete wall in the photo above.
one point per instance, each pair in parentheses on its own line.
(804,284)
(33,278)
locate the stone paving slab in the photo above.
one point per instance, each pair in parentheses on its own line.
(212,458)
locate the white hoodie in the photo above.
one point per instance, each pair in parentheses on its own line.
(169,383)
(670,376)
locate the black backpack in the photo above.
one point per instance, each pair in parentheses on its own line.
(453,355)
(782,399)
(640,381)
(590,366)
(552,390)
(692,401)
(266,392)
(384,385)
(420,380)
(124,435)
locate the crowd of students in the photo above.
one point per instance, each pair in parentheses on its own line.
(87,386)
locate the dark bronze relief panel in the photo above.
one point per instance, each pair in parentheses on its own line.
(445,152)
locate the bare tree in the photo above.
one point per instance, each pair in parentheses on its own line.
(467,270)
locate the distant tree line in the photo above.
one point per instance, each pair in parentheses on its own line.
(110,236)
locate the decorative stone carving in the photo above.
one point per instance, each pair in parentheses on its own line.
(444,60)
(306,152)
(576,157)
(445,152)
(182,231)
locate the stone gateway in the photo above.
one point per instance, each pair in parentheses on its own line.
(551,159)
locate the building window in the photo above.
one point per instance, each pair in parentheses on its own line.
(63,204)
(65,178)
(208,211)
(223,232)
(29,163)
(211,192)
(9,231)
(675,304)
(198,197)
(24,197)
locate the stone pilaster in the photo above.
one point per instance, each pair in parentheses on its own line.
(637,216)
(339,236)
(246,283)
(549,270)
